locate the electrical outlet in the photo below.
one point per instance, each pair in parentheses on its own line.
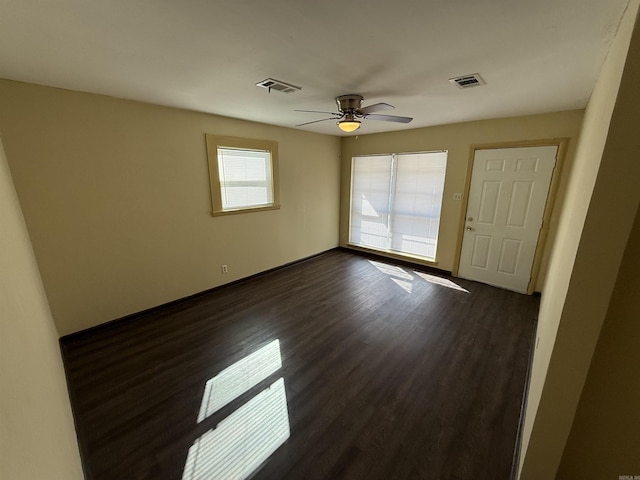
(225,269)
(457,196)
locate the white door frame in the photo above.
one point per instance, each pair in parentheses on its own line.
(561,143)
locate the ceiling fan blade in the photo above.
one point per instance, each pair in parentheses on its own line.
(316,121)
(317,111)
(376,107)
(389,118)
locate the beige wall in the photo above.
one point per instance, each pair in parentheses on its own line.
(37,437)
(117,202)
(601,202)
(605,436)
(458,139)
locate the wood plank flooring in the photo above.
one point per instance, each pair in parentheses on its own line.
(390,372)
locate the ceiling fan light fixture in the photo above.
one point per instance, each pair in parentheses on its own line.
(349,125)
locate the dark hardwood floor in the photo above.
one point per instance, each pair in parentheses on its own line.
(389,373)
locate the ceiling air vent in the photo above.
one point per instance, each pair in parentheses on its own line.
(271,84)
(467,81)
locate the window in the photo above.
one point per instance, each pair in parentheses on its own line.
(396,202)
(243,174)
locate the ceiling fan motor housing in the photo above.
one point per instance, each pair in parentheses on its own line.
(349,103)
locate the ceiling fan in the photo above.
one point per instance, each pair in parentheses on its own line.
(351,113)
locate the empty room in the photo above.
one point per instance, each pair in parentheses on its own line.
(319,240)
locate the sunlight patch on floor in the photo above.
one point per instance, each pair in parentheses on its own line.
(247,437)
(233,381)
(242,441)
(443,282)
(405,280)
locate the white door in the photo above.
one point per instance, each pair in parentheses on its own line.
(508,194)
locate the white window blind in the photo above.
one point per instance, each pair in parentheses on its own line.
(245,178)
(370,192)
(396,202)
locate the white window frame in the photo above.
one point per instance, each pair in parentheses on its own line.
(217,181)
(385,212)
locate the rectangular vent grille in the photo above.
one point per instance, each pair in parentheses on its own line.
(467,81)
(277,85)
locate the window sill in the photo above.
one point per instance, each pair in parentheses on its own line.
(244,210)
(431,262)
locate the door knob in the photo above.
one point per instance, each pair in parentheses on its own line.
(470,228)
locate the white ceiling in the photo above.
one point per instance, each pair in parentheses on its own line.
(206,55)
